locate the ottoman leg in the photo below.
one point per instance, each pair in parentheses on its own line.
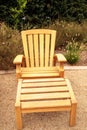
(73,114)
(18,118)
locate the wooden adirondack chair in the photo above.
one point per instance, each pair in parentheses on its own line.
(41,83)
(39,59)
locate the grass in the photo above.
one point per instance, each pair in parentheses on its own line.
(11,44)
(68,31)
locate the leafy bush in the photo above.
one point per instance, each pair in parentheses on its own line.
(10,46)
(72,52)
(25,14)
(17,14)
(5,12)
(15,11)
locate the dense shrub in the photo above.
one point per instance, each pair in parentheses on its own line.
(5,12)
(15,11)
(10,46)
(41,13)
(75,10)
(25,14)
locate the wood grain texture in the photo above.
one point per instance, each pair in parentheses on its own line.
(45,95)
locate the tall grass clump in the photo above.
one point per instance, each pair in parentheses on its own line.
(10,46)
(67,31)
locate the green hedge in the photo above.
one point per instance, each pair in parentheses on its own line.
(39,13)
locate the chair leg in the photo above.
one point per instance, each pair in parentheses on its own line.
(73,114)
(18,117)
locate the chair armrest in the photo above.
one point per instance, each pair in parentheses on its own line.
(60,58)
(18,59)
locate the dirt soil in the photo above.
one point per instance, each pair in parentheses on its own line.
(43,121)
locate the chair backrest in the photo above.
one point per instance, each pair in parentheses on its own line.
(39,45)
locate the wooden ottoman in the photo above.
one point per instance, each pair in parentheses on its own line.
(44,95)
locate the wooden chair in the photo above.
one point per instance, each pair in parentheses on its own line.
(39,59)
(41,83)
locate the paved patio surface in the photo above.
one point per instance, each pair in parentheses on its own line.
(43,121)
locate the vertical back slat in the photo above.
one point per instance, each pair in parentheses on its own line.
(25,46)
(31,51)
(52,46)
(41,43)
(36,50)
(47,42)
(39,47)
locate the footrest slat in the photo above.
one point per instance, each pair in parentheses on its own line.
(47,104)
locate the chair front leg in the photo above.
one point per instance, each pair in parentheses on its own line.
(61,69)
(18,71)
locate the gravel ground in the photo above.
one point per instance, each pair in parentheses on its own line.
(43,121)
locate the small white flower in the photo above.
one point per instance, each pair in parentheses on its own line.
(3,43)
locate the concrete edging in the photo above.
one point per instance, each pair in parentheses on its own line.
(75,67)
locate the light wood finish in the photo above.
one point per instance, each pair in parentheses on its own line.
(74,104)
(18,106)
(43,80)
(39,46)
(36,39)
(36,50)
(45,95)
(60,57)
(40,72)
(43,90)
(19,61)
(41,84)
(61,60)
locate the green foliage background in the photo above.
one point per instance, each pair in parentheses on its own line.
(22,14)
